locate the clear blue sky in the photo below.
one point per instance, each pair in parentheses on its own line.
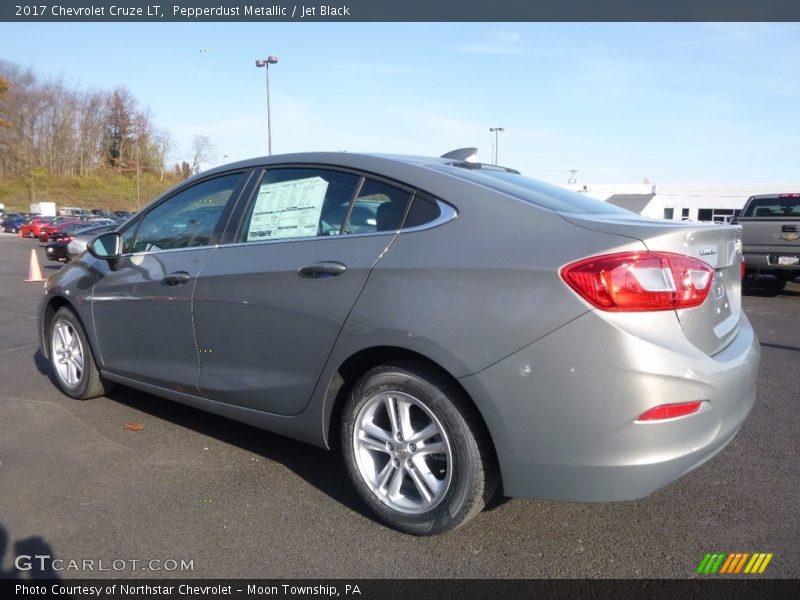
(681,102)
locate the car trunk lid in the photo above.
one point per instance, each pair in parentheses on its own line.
(714,324)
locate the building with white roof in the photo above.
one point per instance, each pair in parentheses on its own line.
(683,201)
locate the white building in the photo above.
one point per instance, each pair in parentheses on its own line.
(683,201)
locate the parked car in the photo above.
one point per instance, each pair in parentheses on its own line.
(68,244)
(771,237)
(97,221)
(58,228)
(12,222)
(81,237)
(57,249)
(123,213)
(33,227)
(72,211)
(445,325)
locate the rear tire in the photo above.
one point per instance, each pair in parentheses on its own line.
(71,358)
(416,450)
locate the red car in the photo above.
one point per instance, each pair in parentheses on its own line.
(57,230)
(34,227)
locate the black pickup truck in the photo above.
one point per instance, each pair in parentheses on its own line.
(771,236)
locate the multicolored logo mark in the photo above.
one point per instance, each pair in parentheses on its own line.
(738,562)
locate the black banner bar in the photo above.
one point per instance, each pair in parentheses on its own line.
(402,589)
(129,11)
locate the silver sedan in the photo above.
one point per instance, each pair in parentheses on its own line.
(454,329)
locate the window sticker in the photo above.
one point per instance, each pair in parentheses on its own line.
(288,209)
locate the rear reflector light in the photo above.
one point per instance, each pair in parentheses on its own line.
(640,281)
(744,268)
(670,411)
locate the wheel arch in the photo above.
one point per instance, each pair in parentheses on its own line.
(54,304)
(356,365)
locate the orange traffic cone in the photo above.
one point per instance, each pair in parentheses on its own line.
(34,271)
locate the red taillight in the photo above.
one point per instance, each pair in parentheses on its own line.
(744,268)
(670,411)
(640,281)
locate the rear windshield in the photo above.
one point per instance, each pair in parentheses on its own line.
(536,192)
(773,206)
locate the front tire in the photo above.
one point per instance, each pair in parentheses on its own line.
(71,357)
(416,450)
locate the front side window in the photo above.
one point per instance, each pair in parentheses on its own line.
(299,203)
(128,235)
(187,219)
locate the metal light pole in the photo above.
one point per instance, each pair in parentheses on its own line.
(138,173)
(266,62)
(496,131)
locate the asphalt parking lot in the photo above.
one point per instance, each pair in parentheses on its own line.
(239,502)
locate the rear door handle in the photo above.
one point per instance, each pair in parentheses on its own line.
(176,278)
(322,270)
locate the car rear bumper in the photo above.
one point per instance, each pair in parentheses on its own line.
(769,262)
(57,253)
(562,411)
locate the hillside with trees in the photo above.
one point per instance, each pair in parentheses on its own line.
(95,149)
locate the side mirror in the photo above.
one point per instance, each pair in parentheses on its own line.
(106,246)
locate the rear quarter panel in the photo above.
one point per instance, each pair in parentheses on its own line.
(476,289)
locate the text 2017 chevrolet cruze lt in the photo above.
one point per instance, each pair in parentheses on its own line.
(449,326)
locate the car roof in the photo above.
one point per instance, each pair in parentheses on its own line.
(349,159)
(410,169)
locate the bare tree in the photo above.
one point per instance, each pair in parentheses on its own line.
(3,92)
(201,152)
(163,145)
(182,170)
(51,128)
(119,127)
(91,124)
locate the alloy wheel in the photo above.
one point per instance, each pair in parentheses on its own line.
(403,452)
(68,355)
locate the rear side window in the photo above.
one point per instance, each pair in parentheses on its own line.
(298,203)
(535,192)
(423,211)
(775,206)
(379,207)
(303,202)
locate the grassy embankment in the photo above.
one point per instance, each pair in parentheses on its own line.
(111,191)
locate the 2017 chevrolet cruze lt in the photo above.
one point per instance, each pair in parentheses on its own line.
(449,326)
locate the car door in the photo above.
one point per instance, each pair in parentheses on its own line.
(268,308)
(141,305)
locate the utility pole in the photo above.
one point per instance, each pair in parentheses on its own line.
(496,131)
(266,62)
